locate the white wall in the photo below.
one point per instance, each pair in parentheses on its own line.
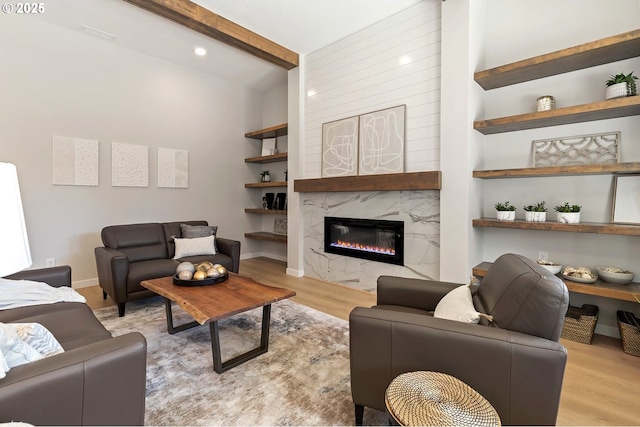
(55,81)
(514,32)
(362,73)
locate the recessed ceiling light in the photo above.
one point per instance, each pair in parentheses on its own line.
(404,60)
(200,51)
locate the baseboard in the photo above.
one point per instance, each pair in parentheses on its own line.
(85,283)
(294,272)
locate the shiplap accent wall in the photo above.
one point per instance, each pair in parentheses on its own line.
(363,73)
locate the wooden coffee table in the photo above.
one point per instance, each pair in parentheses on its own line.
(209,304)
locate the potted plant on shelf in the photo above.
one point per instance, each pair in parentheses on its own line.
(535,213)
(265,176)
(505,211)
(568,214)
(621,85)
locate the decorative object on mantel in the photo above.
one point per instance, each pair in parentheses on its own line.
(621,85)
(599,148)
(545,103)
(265,176)
(568,214)
(340,147)
(535,213)
(280,226)
(626,200)
(381,141)
(505,211)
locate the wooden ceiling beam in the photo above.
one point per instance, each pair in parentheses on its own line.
(215,26)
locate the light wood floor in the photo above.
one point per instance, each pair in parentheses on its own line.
(600,384)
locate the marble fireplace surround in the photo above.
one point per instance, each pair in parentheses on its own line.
(413,198)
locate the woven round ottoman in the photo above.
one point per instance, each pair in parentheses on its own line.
(425,398)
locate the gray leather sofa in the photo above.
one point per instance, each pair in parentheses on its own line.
(136,252)
(98,380)
(516,362)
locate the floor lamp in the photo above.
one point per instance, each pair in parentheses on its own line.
(14,243)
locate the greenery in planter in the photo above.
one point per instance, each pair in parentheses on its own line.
(629,79)
(538,207)
(506,206)
(568,208)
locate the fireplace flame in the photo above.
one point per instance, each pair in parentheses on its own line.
(364,248)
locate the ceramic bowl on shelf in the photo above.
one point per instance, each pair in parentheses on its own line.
(553,268)
(550,265)
(579,274)
(615,275)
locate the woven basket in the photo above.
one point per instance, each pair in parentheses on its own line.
(580,323)
(629,332)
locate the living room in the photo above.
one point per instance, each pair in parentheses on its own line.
(58,82)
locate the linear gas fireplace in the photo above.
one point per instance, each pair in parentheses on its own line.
(375,240)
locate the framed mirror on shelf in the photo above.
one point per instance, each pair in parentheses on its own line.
(626,199)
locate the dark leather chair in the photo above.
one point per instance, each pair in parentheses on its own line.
(136,252)
(515,362)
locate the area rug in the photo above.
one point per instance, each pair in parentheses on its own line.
(302,380)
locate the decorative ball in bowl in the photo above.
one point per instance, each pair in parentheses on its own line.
(200,274)
(615,275)
(553,267)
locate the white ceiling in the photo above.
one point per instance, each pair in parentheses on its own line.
(300,25)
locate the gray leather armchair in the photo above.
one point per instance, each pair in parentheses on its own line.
(515,362)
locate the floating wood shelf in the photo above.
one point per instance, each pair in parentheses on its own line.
(266,211)
(583,227)
(270,132)
(611,168)
(387,182)
(609,109)
(603,51)
(267,159)
(263,235)
(630,292)
(266,184)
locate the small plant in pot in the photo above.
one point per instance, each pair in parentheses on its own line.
(568,214)
(536,213)
(505,211)
(621,85)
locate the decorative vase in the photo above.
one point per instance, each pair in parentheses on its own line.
(506,215)
(569,217)
(535,216)
(617,90)
(266,178)
(545,103)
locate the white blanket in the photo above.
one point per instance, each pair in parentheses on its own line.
(23,293)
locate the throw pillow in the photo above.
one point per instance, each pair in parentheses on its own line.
(4,366)
(38,337)
(191,231)
(15,351)
(457,305)
(195,246)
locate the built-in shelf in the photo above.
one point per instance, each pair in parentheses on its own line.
(266,184)
(630,292)
(263,235)
(266,211)
(611,168)
(280,157)
(603,51)
(386,182)
(609,109)
(583,227)
(270,132)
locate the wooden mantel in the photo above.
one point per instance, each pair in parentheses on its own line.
(388,182)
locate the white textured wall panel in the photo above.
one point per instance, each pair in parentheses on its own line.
(363,73)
